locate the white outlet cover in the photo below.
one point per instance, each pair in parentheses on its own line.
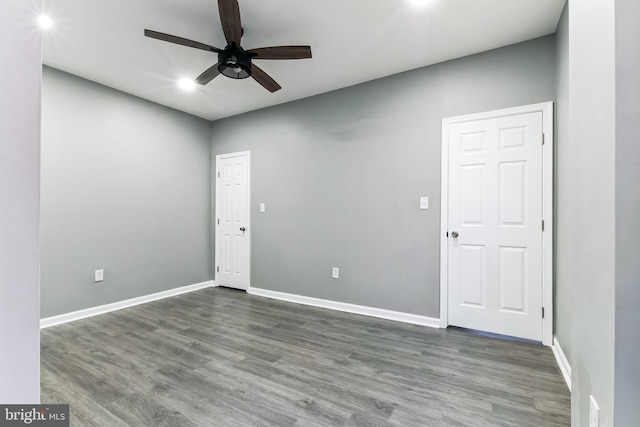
(335,273)
(594,412)
(99,276)
(262,207)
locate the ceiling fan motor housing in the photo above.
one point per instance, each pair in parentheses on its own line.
(234,62)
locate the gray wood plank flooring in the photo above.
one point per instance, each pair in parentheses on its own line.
(219,357)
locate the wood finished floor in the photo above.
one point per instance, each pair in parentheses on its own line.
(219,357)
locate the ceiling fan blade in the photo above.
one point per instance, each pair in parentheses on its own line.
(208,75)
(281,52)
(230,20)
(264,79)
(179,40)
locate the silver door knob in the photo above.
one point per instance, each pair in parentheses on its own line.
(454,234)
(243,229)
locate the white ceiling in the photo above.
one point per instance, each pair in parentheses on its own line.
(352,41)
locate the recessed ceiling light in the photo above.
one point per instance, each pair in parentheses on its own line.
(45,22)
(186,84)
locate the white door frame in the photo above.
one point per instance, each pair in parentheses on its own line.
(217,213)
(547,209)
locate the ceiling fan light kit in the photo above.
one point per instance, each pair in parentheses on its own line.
(233,61)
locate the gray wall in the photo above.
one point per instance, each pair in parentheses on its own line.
(627,323)
(341,174)
(598,164)
(586,207)
(20,56)
(125,188)
(565,183)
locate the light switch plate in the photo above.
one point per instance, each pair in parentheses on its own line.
(424,203)
(335,273)
(262,207)
(99,276)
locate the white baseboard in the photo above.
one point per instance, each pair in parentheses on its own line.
(349,308)
(563,363)
(107,308)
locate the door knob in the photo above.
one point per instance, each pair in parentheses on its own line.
(454,234)
(243,229)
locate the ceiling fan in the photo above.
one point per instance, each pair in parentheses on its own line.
(233,61)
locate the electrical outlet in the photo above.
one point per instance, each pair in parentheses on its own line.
(262,207)
(594,413)
(99,276)
(335,273)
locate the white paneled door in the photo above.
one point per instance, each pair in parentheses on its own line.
(233,235)
(495,212)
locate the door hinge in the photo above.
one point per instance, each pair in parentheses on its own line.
(543,139)
(543,312)
(447,234)
(218,269)
(218,221)
(543,225)
(218,174)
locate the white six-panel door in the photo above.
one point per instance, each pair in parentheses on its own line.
(495,212)
(232,232)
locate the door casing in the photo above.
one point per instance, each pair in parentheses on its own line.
(547,209)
